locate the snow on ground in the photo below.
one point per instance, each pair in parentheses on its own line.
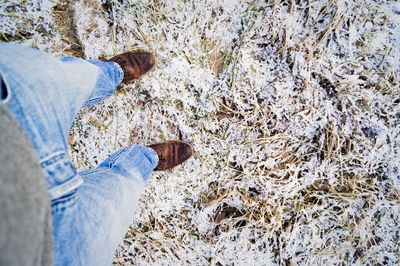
(293,108)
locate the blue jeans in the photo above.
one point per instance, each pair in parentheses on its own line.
(92,209)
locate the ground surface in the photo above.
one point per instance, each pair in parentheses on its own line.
(293,108)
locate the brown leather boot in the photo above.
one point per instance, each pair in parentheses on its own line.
(172,153)
(134,64)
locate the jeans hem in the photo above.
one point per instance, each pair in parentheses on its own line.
(147,166)
(121,72)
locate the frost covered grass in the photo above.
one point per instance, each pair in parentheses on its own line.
(293,108)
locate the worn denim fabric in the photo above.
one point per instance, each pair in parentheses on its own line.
(92,209)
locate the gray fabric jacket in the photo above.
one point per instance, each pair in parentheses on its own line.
(25,216)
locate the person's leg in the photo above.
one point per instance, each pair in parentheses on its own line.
(45,94)
(91,222)
(91,210)
(107,82)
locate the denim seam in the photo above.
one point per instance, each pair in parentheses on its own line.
(64,200)
(115,160)
(57,191)
(96,170)
(121,72)
(96,100)
(66,187)
(54,157)
(107,168)
(150,165)
(142,148)
(61,205)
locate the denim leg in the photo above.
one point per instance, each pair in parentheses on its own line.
(93,209)
(111,76)
(90,223)
(45,94)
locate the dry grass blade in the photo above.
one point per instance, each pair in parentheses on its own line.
(293,108)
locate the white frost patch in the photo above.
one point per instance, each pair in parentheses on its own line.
(292,108)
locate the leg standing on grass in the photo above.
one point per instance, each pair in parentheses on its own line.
(91,210)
